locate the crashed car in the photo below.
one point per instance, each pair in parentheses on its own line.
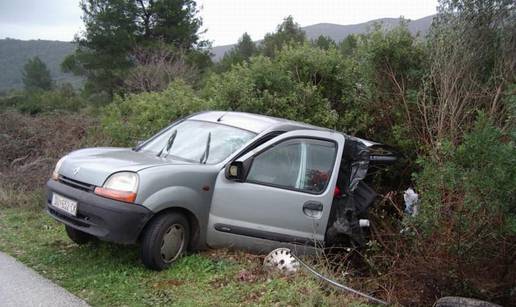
(219,179)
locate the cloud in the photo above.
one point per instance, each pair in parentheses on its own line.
(37,12)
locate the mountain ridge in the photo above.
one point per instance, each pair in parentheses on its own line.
(14,53)
(338,32)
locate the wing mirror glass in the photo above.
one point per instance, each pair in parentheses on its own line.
(235,171)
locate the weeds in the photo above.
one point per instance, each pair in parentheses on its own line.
(109,274)
(30,146)
(11,197)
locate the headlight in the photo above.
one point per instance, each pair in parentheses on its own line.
(120,186)
(55,173)
(125,181)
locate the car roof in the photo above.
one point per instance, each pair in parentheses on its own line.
(252,122)
(258,123)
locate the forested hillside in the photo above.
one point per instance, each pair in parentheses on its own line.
(15,53)
(339,32)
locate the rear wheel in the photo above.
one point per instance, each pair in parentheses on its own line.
(78,236)
(165,240)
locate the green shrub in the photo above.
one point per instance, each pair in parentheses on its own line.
(466,226)
(471,181)
(303,83)
(390,66)
(138,116)
(63,98)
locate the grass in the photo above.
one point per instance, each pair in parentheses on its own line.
(108,274)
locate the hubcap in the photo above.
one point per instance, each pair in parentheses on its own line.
(281,259)
(172,242)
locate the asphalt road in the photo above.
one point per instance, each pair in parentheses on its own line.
(21,286)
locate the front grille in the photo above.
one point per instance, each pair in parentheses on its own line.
(76,184)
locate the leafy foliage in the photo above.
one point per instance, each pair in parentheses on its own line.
(242,51)
(324,42)
(348,45)
(466,227)
(63,98)
(281,87)
(129,24)
(472,182)
(138,116)
(36,75)
(287,33)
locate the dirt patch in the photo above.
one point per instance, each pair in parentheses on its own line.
(168,283)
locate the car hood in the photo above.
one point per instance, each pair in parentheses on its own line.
(94,165)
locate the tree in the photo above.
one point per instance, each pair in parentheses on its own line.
(36,75)
(288,32)
(155,68)
(472,46)
(114,28)
(301,82)
(324,42)
(348,45)
(242,51)
(246,47)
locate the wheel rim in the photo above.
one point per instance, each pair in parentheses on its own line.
(172,242)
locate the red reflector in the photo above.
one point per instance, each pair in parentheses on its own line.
(337,192)
(128,197)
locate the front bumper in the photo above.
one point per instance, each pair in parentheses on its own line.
(107,219)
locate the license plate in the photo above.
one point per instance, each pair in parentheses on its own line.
(65,204)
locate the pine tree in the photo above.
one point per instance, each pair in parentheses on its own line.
(36,75)
(114,28)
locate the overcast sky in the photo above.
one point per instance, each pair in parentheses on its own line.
(225,20)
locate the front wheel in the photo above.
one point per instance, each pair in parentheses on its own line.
(78,236)
(165,240)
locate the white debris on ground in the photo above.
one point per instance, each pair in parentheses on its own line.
(411,202)
(281,260)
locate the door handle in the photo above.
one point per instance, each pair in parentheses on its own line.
(313,205)
(313,209)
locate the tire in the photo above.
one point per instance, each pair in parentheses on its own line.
(164,240)
(456,301)
(78,236)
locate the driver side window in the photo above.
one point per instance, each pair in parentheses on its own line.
(299,164)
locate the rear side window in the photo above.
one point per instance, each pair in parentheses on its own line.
(295,164)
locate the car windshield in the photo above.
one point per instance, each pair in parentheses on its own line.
(198,141)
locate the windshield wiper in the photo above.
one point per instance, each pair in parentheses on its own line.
(206,153)
(169,144)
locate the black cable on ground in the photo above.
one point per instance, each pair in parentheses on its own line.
(337,285)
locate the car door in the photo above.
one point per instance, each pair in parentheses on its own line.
(285,196)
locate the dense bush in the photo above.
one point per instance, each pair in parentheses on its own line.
(463,240)
(301,83)
(63,98)
(472,185)
(138,116)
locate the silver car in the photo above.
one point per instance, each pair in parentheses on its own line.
(219,179)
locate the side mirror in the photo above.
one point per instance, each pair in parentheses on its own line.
(235,171)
